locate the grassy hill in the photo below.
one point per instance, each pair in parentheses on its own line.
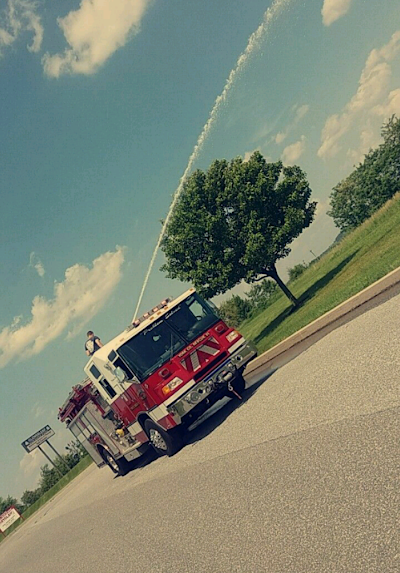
(362,257)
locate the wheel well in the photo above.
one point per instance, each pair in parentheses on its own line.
(101,449)
(142,419)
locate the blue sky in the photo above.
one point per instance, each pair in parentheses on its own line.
(102,104)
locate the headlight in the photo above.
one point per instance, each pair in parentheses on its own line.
(232,335)
(170,387)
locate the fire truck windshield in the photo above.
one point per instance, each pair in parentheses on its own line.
(159,342)
(191,317)
(149,349)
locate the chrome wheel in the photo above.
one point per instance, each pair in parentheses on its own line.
(163,441)
(112,463)
(157,440)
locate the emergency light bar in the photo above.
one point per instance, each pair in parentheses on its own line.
(149,313)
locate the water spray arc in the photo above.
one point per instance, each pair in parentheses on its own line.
(273,12)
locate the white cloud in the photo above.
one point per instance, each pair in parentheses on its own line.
(299,113)
(368,139)
(76,300)
(332,10)
(93,33)
(372,87)
(280,137)
(18,17)
(247,155)
(370,135)
(31,463)
(390,107)
(293,152)
(36,263)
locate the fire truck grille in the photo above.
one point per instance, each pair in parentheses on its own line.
(220,358)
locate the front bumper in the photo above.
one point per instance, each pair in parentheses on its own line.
(215,382)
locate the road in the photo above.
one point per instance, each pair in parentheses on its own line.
(301,477)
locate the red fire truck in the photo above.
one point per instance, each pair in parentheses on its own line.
(155,379)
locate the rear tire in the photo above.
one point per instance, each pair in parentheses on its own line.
(163,442)
(118,466)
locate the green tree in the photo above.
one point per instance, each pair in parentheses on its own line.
(30,496)
(371,184)
(349,204)
(234,222)
(6,503)
(48,477)
(260,294)
(234,310)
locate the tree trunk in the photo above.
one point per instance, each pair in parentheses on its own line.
(273,273)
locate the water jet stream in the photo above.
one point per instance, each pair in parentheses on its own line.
(254,42)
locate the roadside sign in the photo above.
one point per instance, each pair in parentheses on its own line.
(8,518)
(37,439)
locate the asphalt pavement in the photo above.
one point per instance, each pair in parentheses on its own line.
(302,476)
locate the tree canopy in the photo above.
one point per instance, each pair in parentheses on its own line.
(30,496)
(234,222)
(9,501)
(371,184)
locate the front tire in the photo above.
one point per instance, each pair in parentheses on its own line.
(163,442)
(117,466)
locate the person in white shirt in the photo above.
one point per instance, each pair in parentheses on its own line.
(92,343)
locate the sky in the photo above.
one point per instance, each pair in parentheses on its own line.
(102,103)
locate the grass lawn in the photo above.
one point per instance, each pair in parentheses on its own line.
(65,480)
(361,258)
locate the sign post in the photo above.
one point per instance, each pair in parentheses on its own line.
(57,454)
(40,438)
(50,460)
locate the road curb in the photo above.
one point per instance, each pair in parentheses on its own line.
(292,346)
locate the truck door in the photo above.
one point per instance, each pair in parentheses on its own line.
(131,398)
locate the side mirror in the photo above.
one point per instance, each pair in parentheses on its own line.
(120,374)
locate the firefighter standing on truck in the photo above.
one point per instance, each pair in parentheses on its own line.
(92,343)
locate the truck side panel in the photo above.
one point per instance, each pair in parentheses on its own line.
(81,437)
